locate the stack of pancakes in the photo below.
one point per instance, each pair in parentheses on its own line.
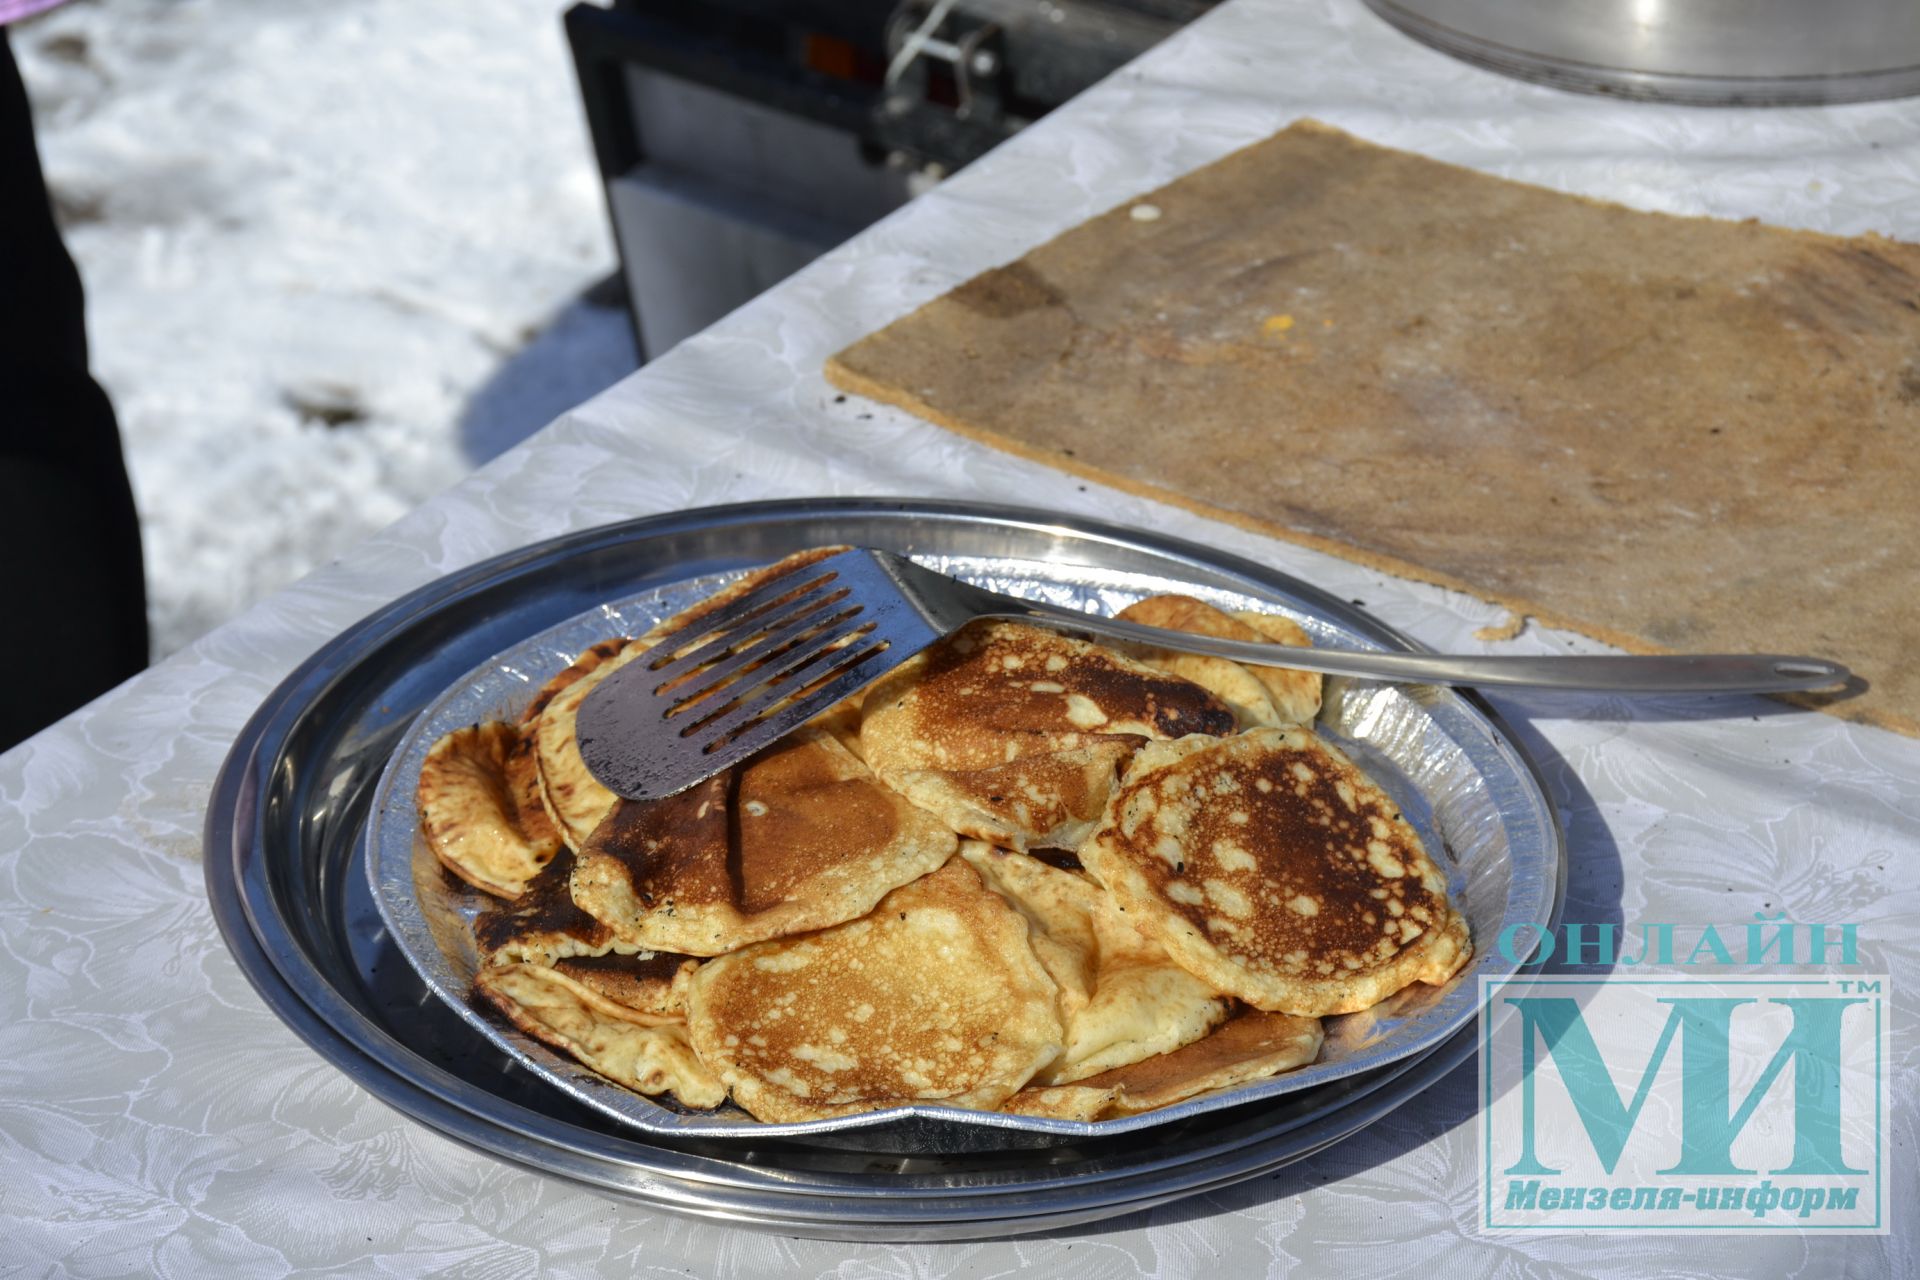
(1024,872)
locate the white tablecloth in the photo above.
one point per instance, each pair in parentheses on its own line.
(156,1120)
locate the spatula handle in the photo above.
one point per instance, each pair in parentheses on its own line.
(1609,673)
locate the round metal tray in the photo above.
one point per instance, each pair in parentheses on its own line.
(1449,769)
(285,834)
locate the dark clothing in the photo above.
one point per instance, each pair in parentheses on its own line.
(71,580)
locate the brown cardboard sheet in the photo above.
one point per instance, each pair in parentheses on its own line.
(1669,433)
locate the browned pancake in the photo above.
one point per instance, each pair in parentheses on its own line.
(1271,866)
(934,997)
(800,837)
(545,931)
(1246,1048)
(542,925)
(644,1052)
(1121,997)
(589,659)
(843,722)
(528,797)
(652,984)
(1062,1102)
(467,811)
(1014,734)
(1258,695)
(554,972)
(532,806)
(574,798)
(1250,1047)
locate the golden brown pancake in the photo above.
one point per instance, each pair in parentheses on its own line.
(1269,865)
(528,797)
(543,929)
(934,997)
(1121,997)
(1014,734)
(650,984)
(1259,696)
(467,810)
(1251,1046)
(1295,693)
(843,722)
(556,973)
(800,837)
(574,797)
(542,926)
(1063,1102)
(643,1052)
(1059,910)
(590,658)
(559,975)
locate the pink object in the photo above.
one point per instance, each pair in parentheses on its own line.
(14,10)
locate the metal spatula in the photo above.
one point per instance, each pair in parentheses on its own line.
(715,691)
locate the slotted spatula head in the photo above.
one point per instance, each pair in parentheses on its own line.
(727,684)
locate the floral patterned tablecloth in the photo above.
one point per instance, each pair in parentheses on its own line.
(155,1119)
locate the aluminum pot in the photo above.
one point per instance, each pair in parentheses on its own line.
(1704,52)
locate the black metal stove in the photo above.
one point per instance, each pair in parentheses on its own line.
(739,139)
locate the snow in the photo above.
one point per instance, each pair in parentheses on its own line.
(332,253)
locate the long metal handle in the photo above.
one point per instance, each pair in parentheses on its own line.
(1655,673)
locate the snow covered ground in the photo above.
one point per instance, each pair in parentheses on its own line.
(332,254)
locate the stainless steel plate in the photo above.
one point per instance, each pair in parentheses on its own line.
(1473,801)
(286,834)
